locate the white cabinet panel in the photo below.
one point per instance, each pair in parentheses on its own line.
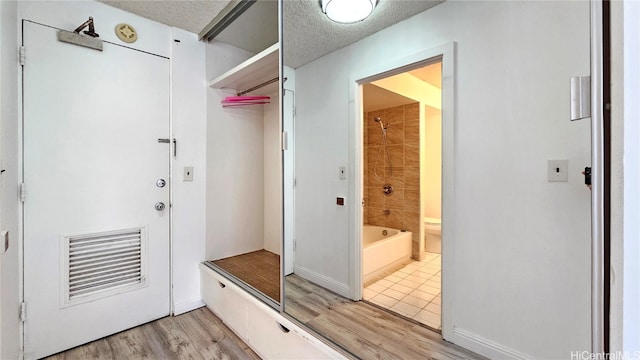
(270,341)
(221,298)
(258,324)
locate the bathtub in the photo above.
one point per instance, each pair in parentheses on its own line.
(383,253)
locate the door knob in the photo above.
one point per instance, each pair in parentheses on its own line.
(159,206)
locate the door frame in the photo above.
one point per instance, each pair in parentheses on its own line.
(446,53)
(288,184)
(597,185)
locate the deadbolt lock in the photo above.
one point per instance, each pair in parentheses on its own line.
(161,183)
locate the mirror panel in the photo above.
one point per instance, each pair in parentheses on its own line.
(386,124)
(244,179)
(322,283)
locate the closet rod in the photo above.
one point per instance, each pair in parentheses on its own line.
(258,86)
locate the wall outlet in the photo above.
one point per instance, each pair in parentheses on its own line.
(188,174)
(342,172)
(558,170)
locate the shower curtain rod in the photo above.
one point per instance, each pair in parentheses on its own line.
(258,86)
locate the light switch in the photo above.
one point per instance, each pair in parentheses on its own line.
(558,170)
(188,174)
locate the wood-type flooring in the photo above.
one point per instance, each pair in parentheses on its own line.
(260,269)
(364,330)
(198,334)
(360,328)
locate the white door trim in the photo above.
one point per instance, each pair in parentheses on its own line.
(597,183)
(384,69)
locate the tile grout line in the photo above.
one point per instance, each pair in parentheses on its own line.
(410,269)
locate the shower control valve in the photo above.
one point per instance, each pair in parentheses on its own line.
(387,189)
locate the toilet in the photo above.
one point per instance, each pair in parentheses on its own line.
(432,235)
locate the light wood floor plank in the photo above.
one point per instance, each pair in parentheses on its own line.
(92,351)
(131,344)
(363,329)
(213,339)
(197,335)
(174,340)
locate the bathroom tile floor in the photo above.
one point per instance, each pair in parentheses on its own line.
(413,291)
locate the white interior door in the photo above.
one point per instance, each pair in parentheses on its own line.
(96,250)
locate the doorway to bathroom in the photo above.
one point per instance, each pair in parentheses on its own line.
(402,192)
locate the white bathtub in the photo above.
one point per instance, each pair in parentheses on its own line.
(382,253)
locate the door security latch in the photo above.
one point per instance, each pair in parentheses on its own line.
(587,176)
(167,141)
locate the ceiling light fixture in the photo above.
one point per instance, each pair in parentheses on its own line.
(348,11)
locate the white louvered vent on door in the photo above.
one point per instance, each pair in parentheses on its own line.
(99,264)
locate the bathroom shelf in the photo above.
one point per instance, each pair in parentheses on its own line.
(257,70)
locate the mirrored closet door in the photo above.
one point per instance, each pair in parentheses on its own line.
(244,161)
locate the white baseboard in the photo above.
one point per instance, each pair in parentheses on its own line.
(322,280)
(485,347)
(367,279)
(186,306)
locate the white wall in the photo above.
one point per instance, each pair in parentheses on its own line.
(410,86)
(625,176)
(221,57)
(235,165)
(522,245)
(272,176)
(153,37)
(9,152)
(431,175)
(244,174)
(189,91)
(631,263)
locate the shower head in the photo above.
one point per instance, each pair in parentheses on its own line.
(383,127)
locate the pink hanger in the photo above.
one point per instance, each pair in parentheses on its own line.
(230,101)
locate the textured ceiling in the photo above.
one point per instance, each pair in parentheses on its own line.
(308,33)
(192,16)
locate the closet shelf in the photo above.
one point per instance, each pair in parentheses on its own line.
(259,69)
